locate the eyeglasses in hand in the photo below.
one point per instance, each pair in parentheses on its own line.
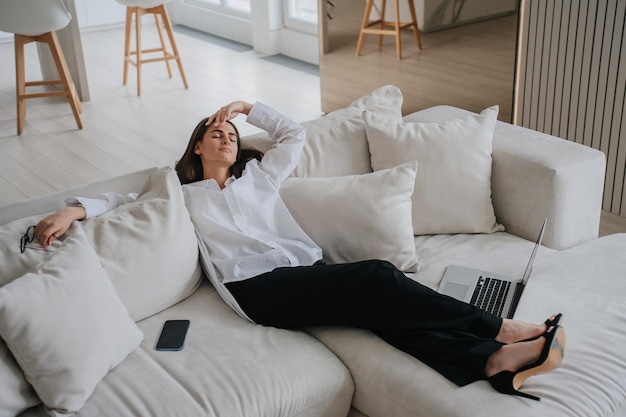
(27,237)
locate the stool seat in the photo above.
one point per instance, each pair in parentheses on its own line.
(37,21)
(146,4)
(378,26)
(26,17)
(135,9)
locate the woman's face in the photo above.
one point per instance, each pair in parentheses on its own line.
(218,146)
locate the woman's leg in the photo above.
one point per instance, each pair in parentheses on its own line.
(451,336)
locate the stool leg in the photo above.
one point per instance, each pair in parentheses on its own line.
(415,27)
(170,34)
(383,8)
(20,82)
(129,21)
(53,43)
(138,13)
(397,29)
(163,46)
(364,25)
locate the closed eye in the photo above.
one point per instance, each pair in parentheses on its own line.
(219,134)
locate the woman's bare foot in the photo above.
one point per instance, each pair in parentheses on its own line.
(513,331)
(514,356)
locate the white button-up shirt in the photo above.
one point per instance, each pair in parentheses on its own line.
(245,229)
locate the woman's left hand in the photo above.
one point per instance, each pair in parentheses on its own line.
(228,112)
(57,223)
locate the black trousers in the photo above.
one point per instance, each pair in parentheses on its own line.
(451,336)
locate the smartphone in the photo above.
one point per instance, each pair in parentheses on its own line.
(173,335)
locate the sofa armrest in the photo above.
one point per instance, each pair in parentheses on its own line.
(534,176)
(123,184)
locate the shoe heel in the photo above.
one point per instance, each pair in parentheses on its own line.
(503,382)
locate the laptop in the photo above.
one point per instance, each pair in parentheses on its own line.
(491,291)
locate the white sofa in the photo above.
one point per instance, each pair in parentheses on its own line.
(230,367)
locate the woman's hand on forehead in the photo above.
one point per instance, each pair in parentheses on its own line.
(228,112)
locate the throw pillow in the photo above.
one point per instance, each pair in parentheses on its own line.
(149,243)
(358,217)
(66,326)
(453,190)
(14,263)
(16,394)
(336,144)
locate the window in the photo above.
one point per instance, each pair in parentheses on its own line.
(301,15)
(241,6)
(303,10)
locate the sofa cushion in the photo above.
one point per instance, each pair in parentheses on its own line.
(14,263)
(336,144)
(584,283)
(149,243)
(16,393)
(65,325)
(453,189)
(228,367)
(342,214)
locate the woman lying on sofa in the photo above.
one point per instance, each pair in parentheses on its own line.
(269,271)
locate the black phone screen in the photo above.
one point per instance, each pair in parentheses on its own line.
(173,335)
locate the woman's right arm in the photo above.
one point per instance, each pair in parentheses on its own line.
(280,160)
(78,208)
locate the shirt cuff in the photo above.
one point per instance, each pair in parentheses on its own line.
(93,206)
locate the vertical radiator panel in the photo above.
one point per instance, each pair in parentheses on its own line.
(570,79)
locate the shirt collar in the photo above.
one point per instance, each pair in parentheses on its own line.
(211,184)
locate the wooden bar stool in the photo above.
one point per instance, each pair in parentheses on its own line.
(36,21)
(138,8)
(378,27)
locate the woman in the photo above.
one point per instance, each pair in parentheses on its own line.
(269,271)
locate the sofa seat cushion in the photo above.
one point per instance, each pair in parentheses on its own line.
(228,367)
(499,252)
(584,283)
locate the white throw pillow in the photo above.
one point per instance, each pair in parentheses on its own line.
(336,143)
(66,326)
(16,394)
(453,189)
(357,217)
(14,263)
(149,247)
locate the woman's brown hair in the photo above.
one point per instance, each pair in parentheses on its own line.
(189,167)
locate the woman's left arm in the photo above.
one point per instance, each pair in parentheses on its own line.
(279,161)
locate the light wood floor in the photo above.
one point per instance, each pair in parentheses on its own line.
(470,66)
(125,133)
(122,132)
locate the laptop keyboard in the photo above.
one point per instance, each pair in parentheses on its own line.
(490,294)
